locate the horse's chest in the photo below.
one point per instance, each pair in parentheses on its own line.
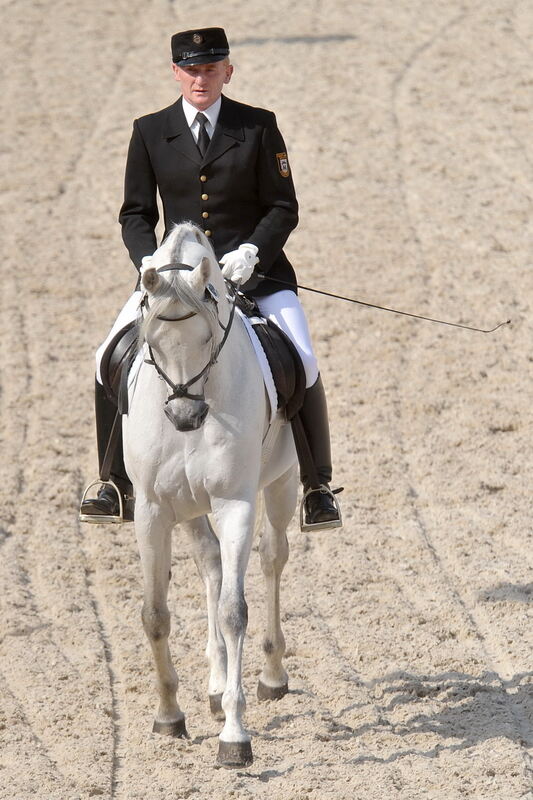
(193,476)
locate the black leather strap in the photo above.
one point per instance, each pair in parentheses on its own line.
(105,469)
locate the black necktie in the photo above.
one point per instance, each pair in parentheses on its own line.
(203,136)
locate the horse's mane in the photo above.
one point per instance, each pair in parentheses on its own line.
(176,288)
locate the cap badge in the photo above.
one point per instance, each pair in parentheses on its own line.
(283,164)
(197,38)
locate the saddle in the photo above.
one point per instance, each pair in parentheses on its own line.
(115,365)
(285,364)
(283,358)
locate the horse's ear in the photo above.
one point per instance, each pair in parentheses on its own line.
(150,279)
(201,275)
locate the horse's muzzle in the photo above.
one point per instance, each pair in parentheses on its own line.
(189,417)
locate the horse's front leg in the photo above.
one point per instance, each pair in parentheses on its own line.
(153,531)
(206,554)
(280,502)
(235,524)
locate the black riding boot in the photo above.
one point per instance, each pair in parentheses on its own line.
(105,507)
(321,509)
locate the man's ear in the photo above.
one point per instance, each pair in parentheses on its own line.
(229,73)
(176,71)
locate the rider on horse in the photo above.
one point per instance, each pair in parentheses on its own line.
(223,165)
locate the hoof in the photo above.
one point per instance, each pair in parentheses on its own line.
(176,728)
(233,755)
(215,705)
(265,692)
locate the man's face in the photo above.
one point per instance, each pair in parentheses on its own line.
(202,84)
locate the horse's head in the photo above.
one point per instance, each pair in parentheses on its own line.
(185,315)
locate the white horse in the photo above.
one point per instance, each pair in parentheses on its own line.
(193,443)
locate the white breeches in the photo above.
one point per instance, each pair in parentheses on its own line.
(283,308)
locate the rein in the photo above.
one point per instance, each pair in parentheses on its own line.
(182,389)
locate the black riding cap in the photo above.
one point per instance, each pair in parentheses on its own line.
(201,46)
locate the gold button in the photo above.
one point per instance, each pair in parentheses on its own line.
(205,197)
(205,214)
(203,178)
(207,233)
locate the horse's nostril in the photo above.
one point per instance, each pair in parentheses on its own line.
(171,416)
(203,412)
(198,419)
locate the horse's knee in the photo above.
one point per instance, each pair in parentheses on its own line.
(232,613)
(156,622)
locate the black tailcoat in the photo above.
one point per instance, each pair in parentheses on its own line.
(241,191)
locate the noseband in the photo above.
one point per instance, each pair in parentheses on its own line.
(182,389)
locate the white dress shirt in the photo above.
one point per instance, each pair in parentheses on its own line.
(210,113)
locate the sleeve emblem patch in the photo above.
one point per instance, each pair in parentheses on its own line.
(283,165)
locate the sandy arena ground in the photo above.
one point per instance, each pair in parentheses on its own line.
(409,636)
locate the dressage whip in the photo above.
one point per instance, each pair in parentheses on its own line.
(384,308)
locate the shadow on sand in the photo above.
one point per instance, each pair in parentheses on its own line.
(462,710)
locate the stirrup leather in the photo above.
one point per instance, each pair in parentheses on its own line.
(103,518)
(315,526)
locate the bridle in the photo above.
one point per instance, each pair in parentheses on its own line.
(182,389)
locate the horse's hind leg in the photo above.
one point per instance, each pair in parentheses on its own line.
(206,554)
(154,540)
(280,502)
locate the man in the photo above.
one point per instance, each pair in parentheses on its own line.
(223,165)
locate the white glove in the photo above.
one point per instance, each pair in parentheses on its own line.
(239,264)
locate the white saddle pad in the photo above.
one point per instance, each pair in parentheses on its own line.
(263,363)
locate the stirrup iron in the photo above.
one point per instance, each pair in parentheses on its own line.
(103,518)
(320,526)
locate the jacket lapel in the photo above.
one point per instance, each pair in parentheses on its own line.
(178,134)
(228,131)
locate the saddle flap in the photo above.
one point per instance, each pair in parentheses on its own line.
(115,365)
(285,364)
